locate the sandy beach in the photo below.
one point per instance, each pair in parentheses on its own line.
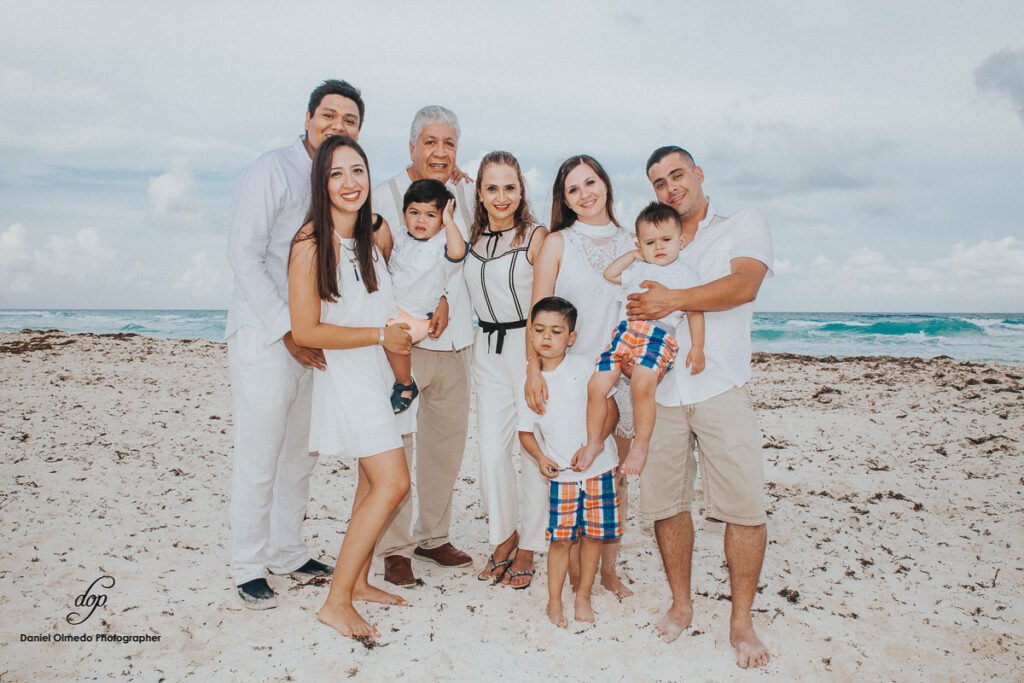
(896,523)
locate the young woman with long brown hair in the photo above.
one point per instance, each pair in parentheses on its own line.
(340,297)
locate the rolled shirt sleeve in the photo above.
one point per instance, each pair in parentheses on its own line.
(752,238)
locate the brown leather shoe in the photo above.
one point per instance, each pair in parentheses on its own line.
(445,555)
(398,570)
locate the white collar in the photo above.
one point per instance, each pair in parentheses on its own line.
(594,232)
(710,216)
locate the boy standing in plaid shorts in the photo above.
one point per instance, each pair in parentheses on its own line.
(644,349)
(583,504)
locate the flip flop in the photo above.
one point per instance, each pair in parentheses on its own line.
(512,573)
(400,403)
(491,566)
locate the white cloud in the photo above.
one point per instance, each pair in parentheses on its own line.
(14,252)
(785,267)
(986,275)
(203,277)
(992,265)
(74,259)
(172,196)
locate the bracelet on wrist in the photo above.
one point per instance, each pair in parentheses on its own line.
(380,336)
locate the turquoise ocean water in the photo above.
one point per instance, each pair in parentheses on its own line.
(965,336)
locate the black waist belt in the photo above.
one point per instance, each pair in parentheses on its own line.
(491,328)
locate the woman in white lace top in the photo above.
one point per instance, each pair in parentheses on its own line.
(585,237)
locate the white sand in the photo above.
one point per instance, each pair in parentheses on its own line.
(896,530)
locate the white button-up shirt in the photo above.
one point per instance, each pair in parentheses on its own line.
(387,202)
(719,240)
(270,205)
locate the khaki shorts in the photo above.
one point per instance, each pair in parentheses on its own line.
(731,464)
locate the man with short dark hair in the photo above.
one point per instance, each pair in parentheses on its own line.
(271,376)
(732,255)
(440,365)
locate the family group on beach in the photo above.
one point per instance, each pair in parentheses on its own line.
(604,353)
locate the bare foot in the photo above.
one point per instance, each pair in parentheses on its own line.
(675,621)
(750,651)
(635,459)
(584,610)
(614,584)
(368,593)
(586,454)
(556,614)
(346,620)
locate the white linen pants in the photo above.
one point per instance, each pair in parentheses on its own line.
(442,421)
(271,465)
(497,378)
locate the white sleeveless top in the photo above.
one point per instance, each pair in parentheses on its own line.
(500,284)
(589,249)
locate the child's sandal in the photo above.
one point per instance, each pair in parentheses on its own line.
(400,403)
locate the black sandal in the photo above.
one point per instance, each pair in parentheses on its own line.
(515,574)
(491,566)
(400,403)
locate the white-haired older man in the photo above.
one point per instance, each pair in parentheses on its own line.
(440,364)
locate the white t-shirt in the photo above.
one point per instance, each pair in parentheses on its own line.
(719,240)
(420,270)
(387,202)
(675,275)
(562,429)
(270,204)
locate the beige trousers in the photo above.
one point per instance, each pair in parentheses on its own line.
(441,422)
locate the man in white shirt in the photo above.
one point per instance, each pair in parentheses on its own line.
(732,255)
(440,365)
(271,376)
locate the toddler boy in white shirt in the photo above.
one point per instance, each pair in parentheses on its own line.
(584,505)
(421,262)
(644,349)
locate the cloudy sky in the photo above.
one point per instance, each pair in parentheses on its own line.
(883,141)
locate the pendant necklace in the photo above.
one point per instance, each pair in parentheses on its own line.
(350,256)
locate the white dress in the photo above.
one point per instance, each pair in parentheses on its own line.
(352,414)
(588,250)
(500,283)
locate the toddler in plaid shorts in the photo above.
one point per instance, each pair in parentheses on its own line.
(583,504)
(644,349)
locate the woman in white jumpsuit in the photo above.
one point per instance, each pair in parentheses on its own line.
(505,241)
(585,237)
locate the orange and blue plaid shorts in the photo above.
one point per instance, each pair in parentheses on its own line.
(590,507)
(645,343)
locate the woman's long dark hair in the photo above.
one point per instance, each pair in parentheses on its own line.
(561,215)
(323,224)
(523,218)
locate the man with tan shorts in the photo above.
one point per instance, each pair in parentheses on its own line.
(732,255)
